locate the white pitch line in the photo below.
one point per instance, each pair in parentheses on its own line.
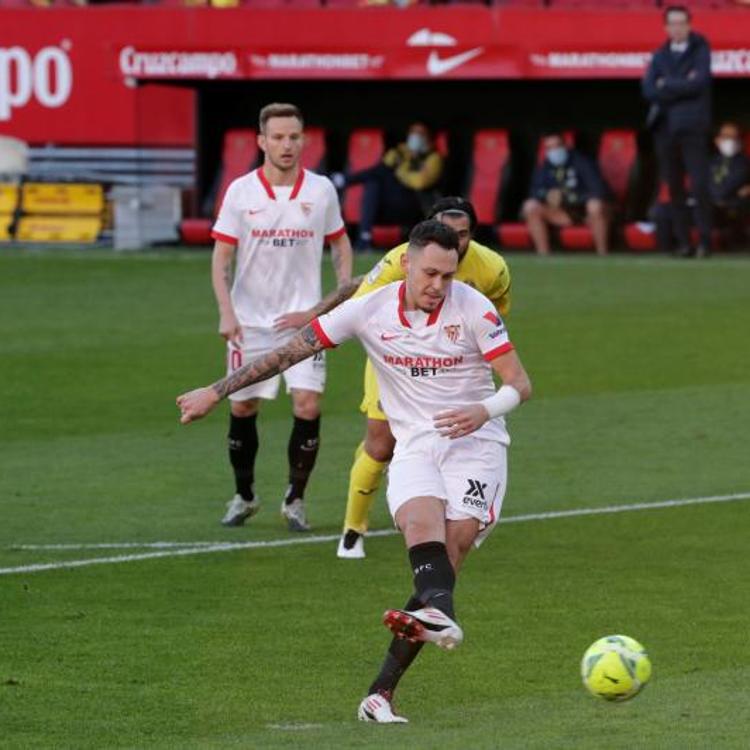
(202,548)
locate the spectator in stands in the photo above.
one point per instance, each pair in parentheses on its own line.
(678,85)
(566,188)
(402,187)
(730,181)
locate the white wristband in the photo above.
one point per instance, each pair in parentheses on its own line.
(502,402)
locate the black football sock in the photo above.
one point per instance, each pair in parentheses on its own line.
(401,653)
(434,577)
(243,447)
(302,452)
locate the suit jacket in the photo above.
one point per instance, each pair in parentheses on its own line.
(683,102)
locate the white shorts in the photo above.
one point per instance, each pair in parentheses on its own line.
(309,375)
(469,473)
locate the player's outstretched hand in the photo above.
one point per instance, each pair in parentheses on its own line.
(456,423)
(196,404)
(230,328)
(295,320)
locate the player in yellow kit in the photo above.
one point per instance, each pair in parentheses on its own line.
(478,266)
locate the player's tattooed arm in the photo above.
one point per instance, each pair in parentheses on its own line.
(302,346)
(199,402)
(342,258)
(334,299)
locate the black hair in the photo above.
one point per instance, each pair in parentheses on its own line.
(457,204)
(431,231)
(676,9)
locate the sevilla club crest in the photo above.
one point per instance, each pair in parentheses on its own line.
(452,332)
(306,208)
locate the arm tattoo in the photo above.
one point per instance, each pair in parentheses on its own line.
(336,260)
(302,346)
(336,297)
(228,273)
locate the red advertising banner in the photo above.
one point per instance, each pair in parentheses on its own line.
(76,75)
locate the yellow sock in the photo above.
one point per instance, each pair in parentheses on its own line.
(364,481)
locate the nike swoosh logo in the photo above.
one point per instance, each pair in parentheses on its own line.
(437,66)
(256,211)
(388,337)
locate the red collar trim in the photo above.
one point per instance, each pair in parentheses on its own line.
(269,188)
(297,185)
(435,314)
(401,298)
(431,320)
(266,184)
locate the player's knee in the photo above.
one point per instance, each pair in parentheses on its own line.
(595,208)
(379,442)
(532,208)
(306,405)
(247,408)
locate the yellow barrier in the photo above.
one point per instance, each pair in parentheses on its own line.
(8,198)
(5,220)
(62,198)
(58,229)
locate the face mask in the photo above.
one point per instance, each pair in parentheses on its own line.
(729,147)
(416,143)
(557,155)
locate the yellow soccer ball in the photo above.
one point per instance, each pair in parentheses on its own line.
(615,668)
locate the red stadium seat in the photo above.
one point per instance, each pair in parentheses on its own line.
(490,156)
(239,155)
(314,152)
(640,237)
(514,235)
(618,150)
(365,150)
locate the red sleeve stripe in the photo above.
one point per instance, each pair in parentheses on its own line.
(321,334)
(495,353)
(224,237)
(335,235)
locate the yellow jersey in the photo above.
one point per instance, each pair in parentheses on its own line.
(482,268)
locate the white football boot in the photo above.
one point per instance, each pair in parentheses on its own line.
(294,512)
(239,510)
(378,708)
(427,624)
(351,549)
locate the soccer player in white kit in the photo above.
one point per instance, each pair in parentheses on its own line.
(435,344)
(275,220)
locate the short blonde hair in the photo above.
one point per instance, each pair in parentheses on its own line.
(278,110)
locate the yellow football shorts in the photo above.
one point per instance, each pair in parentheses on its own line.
(371,401)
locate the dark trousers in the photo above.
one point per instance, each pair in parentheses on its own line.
(679,154)
(385,199)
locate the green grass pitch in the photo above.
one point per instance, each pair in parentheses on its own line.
(642,394)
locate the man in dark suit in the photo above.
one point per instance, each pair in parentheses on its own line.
(678,85)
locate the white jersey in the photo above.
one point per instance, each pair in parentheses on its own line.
(279,233)
(424,363)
